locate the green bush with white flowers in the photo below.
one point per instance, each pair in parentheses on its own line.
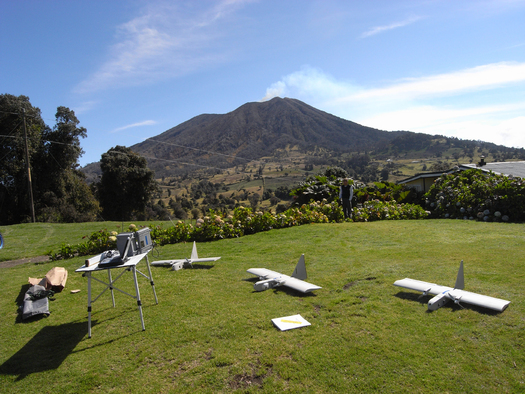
(477,195)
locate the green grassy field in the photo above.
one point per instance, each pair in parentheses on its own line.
(211,333)
(36,239)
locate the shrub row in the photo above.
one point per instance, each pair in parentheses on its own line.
(476,195)
(242,222)
(388,210)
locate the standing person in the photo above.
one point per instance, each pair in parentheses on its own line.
(346,192)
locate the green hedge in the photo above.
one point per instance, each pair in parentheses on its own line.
(388,210)
(244,221)
(477,195)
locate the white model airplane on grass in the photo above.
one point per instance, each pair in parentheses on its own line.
(443,294)
(270,279)
(181,263)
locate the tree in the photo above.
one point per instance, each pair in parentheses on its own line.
(178,211)
(384,174)
(335,172)
(254,200)
(76,203)
(323,186)
(59,189)
(195,212)
(57,177)
(14,194)
(126,185)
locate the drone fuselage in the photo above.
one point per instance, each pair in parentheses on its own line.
(438,301)
(269,279)
(267,284)
(444,294)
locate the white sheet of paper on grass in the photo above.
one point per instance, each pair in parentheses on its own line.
(290,322)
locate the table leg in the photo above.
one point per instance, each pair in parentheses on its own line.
(151,280)
(89,303)
(111,288)
(139,303)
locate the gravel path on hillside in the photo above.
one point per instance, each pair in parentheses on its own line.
(13,263)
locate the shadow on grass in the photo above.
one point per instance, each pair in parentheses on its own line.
(478,309)
(201,267)
(292,292)
(450,305)
(20,304)
(405,295)
(23,290)
(46,350)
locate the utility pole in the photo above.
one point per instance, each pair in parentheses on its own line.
(28,166)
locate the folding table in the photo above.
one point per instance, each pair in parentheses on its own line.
(129,265)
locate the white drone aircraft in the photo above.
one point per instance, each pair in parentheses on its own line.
(178,264)
(443,294)
(270,279)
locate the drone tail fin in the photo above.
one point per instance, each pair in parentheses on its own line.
(300,269)
(194,255)
(460,281)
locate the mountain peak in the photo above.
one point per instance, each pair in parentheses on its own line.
(256,130)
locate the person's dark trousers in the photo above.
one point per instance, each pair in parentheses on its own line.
(347,208)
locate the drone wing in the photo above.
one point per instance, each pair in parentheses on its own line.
(456,295)
(167,262)
(203,260)
(418,285)
(264,273)
(300,285)
(193,259)
(462,296)
(284,280)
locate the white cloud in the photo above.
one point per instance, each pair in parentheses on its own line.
(277,89)
(167,40)
(482,77)
(446,104)
(500,124)
(139,124)
(380,29)
(84,107)
(309,83)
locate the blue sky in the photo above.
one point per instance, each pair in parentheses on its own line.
(133,69)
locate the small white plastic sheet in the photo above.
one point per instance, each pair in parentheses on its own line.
(290,322)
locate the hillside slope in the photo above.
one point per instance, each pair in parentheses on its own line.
(274,128)
(259,129)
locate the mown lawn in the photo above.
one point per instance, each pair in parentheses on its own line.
(211,333)
(37,239)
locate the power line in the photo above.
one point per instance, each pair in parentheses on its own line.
(211,152)
(201,150)
(166,143)
(176,161)
(17,113)
(52,142)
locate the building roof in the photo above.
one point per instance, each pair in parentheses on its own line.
(435,174)
(508,168)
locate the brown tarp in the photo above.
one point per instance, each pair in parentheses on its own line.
(54,280)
